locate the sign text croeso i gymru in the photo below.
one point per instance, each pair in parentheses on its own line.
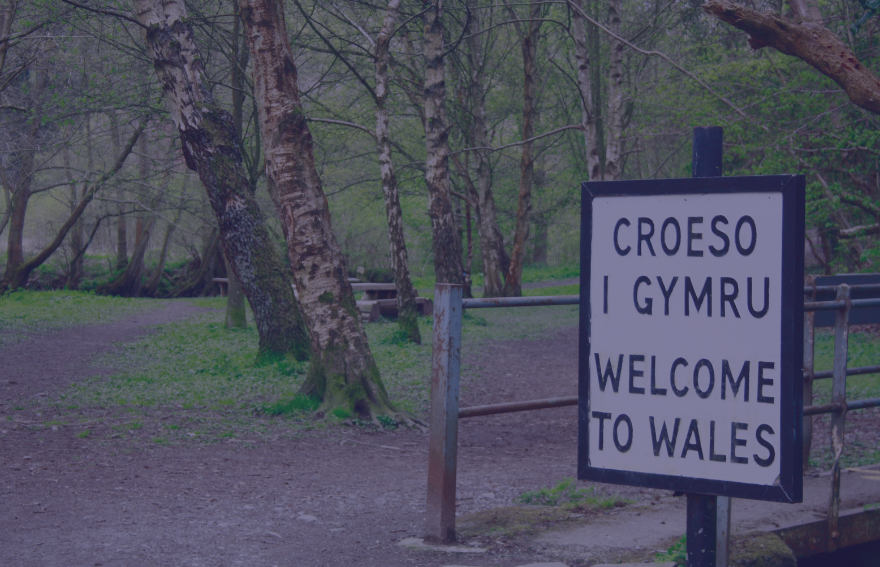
(690,374)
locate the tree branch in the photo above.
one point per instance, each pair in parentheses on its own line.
(809,42)
(857,231)
(107,13)
(661,55)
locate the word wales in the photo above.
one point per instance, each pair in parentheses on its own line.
(684,368)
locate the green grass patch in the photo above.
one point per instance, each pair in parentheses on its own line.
(24,313)
(864,350)
(83,434)
(200,367)
(531,274)
(676,552)
(296,405)
(567,495)
(574,289)
(341,413)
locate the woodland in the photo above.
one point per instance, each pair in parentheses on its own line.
(150,146)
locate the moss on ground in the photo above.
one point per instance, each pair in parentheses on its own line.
(760,550)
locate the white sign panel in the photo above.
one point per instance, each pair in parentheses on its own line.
(690,372)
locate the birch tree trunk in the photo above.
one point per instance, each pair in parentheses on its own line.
(495,259)
(212,148)
(236,315)
(513,281)
(614,124)
(407,310)
(448,267)
(585,87)
(342,373)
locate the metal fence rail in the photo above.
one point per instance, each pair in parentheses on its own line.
(445,413)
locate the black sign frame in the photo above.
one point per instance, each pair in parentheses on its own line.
(792,187)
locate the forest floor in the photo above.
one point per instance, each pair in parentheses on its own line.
(98,484)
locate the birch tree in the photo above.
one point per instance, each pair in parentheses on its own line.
(343,373)
(448,266)
(211,147)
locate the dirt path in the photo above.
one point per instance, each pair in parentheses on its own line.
(339,497)
(46,363)
(342,496)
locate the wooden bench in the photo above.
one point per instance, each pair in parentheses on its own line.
(379,299)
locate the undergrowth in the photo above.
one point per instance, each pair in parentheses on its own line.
(677,552)
(567,495)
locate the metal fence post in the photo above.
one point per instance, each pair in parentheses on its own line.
(838,418)
(443,449)
(809,372)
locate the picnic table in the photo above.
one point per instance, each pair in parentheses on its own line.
(378,300)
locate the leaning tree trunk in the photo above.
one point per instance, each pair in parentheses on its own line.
(407,309)
(513,281)
(614,125)
(585,87)
(343,373)
(211,147)
(495,259)
(448,267)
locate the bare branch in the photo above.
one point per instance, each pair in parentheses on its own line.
(521,142)
(106,13)
(343,123)
(661,55)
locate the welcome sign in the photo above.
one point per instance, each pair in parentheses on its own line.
(691,327)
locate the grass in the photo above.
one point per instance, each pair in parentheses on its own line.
(677,552)
(24,313)
(864,350)
(204,375)
(531,274)
(567,495)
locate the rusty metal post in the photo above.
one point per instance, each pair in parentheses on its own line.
(838,418)
(809,371)
(443,449)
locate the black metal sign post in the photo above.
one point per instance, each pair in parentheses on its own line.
(702,518)
(691,338)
